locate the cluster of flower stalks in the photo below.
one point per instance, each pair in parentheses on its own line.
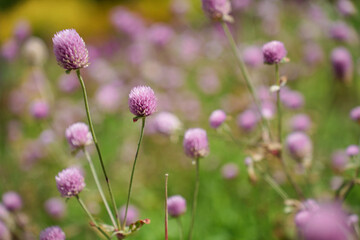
(279,150)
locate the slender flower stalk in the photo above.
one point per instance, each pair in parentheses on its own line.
(133,170)
(97,144)
(264,122)
(276,187)
(93,171)
(195,198)
(166,207)
(181,229)
(82,204)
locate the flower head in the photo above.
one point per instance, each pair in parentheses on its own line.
(217,9)
(39,109)
(253,56)
(299,145)
(196,143)
(78,135)
(12,201)
(339,160)
(70,182)
(300,122)
(167,123)
(217,118)
(247,120)
(142,101)
(52,233)
(176,205)
(342,64)
(355,114)
(132,214)
(230,171)
(55,207)
(70,50)
(274,52)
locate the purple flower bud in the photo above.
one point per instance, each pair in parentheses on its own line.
(167,123)
(217,9)
(299,145)
(339,160)
(12,201)
(346,7)
(4,232)
(142,101)
(355,114)
(274,52)
(217,118)
(9,50)
(268,109)
(248,161)
(196,143)
(39,109)
(108,97)
(253,56)
(55,207)
(127,22)
(339,31)
(352,150)
(22,30)
(70,182)
(291,99)
(132,214)
(78,135)
(230,171)
(160,34)
(300,122)
(342,64)
(247,120)
(176,205)
(70,50)
(52,233)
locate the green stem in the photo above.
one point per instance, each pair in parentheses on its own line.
(93,171)
(133,170)
(276,187)
(181,229)
(91,217)
(166,207)
(97,145)
(196,193)
(264,122)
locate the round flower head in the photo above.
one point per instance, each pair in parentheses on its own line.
(167,123)
(52,233)
(291,99)
(247,120)
(300,122)
(299,145)
(340,31)
(132,214)
(142,101)
(253,56)
(12,201)
(160,34)
(196,143)
(230,171)
(342,64)
(39,109)
(217,9)
(355,114)
(346,7)
(274,52)
(70,182)
(55,207)
(339,160)
(70,50)
(352,150)
(217,118)
(4,232)
(176,205)
(78,135)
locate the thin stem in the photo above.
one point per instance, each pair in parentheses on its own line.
(278,103)
(133,170)
(93,171)
(276,187)
(97,145)
(196,192)
(181,229)
(264,122)
(166,207)
(91,217)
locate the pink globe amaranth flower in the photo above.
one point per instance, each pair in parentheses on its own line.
(300,122)
(299,145)
(160,34)
(12,201)
(313,54)
(342,64)
(339,160)
(22,30)
(70,50)
(340,31)
(355,114)
(52,233)
(247,120)
(39,109)
(132,214)
(4,232)
(217,118)
(176,205)
(196,143)
(142,101)
(352,150)
(167,123)
(55,207)
(218,10)
(328,221)
(78,135)
(268,109)
(108,97)
(253,56)
(9,50)
(346,7)
(230,171)
(291,99)
(70,182)
(127,22)
(274,52)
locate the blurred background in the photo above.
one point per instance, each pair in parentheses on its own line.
(173,47)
